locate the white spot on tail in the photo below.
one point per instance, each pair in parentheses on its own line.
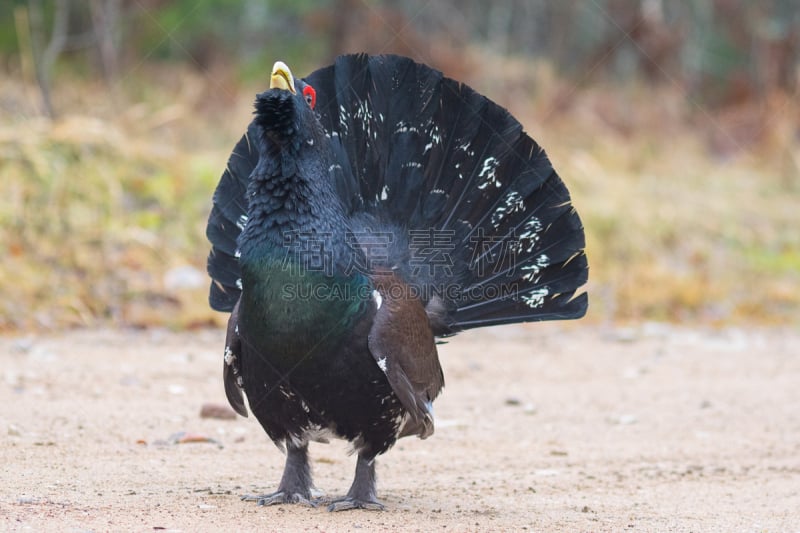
(489,173)
(530,235)
(239,283)
(382,365)
(435,139)
(378,299)
(533,270)
(364,114)
(532,228)
(385,192)
(536,297)
(512,204)
(343,118)
(404,127)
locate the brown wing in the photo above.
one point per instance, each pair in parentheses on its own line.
(402,343)
(231,374)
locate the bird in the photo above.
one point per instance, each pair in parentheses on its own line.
(371,210)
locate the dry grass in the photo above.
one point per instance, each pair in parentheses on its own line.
(675,231)
(687,218)
(100,204)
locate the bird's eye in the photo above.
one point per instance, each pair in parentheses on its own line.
(310,95)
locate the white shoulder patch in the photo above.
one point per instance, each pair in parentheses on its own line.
(378,298)
(229,358)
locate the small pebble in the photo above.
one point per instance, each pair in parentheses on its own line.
(623,420)
(216,410)
(625,335)
(22,345)
(184,437)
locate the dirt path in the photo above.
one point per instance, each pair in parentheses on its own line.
(543,428)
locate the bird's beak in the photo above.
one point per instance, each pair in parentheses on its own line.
(282,78)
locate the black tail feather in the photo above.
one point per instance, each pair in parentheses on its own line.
(563,307)
(428,153)
(225,223)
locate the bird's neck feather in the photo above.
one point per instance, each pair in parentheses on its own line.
(289,193)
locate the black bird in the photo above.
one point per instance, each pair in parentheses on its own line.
(369,209)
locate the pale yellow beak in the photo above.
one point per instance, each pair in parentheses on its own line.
(282,78)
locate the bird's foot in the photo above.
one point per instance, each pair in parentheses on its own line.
(362,493)
(347,503)
(280,497)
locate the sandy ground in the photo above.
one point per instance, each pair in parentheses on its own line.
(540,428)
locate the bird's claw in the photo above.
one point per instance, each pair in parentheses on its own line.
(345,504)
(279,497)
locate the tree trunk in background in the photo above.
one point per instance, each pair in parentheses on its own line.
(105,16)
(45,57)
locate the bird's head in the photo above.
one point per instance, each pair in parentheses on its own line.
(286,110)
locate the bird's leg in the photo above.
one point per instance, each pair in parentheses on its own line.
(362,493)
(295,485)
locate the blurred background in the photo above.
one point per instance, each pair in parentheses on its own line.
(675,125)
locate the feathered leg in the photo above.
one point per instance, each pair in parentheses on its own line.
(295,485)
(362,493)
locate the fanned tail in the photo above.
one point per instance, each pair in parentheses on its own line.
(457,172)
(226,221)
